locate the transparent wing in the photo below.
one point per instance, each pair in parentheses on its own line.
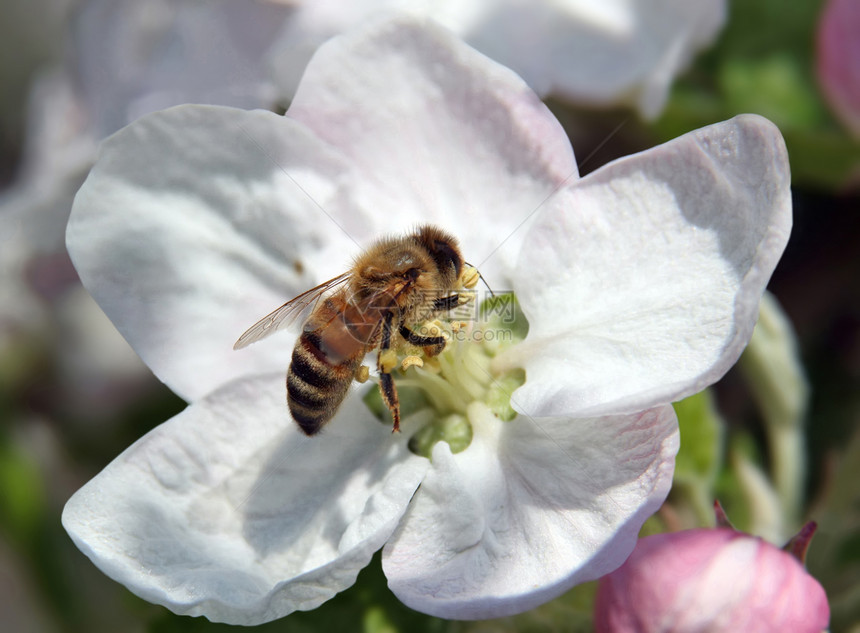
(288,313)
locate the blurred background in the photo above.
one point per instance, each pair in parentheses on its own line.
(777,440)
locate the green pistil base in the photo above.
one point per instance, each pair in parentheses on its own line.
(436,398)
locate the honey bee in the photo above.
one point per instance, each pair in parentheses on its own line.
(395,285)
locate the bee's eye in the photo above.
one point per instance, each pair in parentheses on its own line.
(412,274)
(446,256)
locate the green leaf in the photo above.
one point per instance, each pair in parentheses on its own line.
(774,87)
(699,457)
(729,487)
(834,554)
(23,500)
(763,64)
(701,428)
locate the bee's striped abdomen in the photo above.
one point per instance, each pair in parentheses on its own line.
(315,388)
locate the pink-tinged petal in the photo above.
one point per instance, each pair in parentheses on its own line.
(720,581)
(531,508)
(641,283)
(436,132)
(838,63)
(228,511)
(197,221)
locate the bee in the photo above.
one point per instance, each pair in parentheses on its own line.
(392,287)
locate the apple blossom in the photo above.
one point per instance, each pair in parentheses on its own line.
(716,580)
(639,284)
(598,53)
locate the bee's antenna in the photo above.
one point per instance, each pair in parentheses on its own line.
(481,277)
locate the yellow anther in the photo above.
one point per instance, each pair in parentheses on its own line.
(411,361)
(469,277)
(362,373)
(457,326)
(438,328)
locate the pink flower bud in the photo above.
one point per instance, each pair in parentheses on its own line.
(714,580)
(839,60)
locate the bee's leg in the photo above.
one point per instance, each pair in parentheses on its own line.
(386,383)
(433,345)
(444,304)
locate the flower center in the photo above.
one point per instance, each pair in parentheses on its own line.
(435,392)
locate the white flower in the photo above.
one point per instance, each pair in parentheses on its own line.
(600,53)
(640,283)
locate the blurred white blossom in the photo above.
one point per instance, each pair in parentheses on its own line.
(596,53)
(122,59)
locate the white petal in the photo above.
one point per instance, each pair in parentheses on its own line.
(437,132)
(641,283)
(196,222)
(228,511)
(531,508)
(312,23)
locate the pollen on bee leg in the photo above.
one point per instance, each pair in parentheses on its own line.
(430,329)
(469,277)
(387,360)
(411,361)
(362,373)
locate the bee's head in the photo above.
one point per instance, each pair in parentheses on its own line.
(444,250)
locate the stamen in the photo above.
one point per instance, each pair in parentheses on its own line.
(469,277)
(441,387)
(362,374)
(411,361)
(466,297)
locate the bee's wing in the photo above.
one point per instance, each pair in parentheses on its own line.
(287,313)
